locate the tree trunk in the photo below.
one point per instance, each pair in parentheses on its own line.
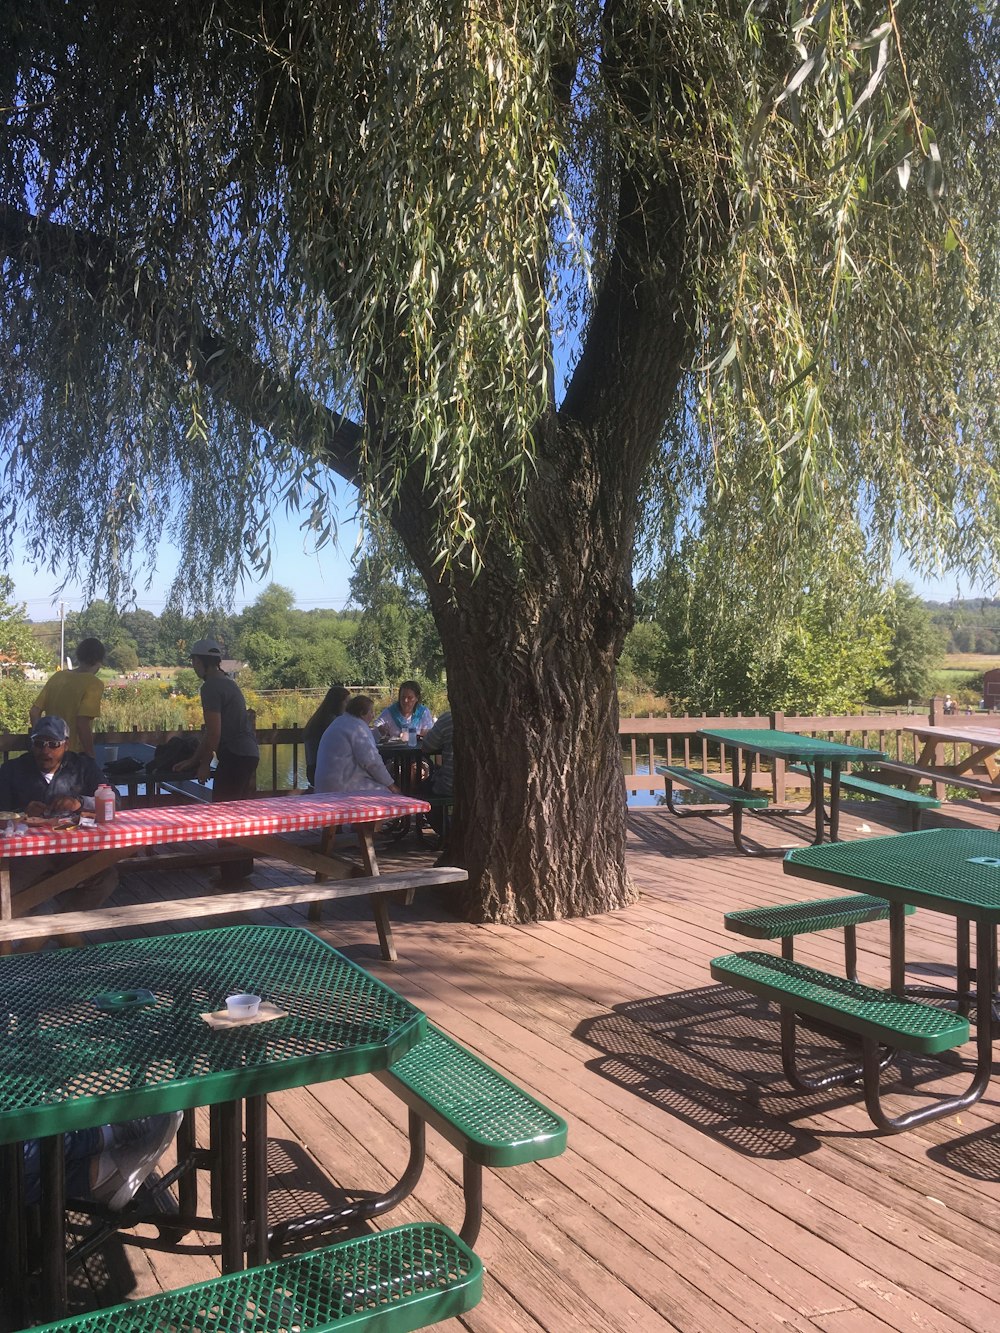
(530,648)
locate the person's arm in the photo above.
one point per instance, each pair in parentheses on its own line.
(201,760)
(367,756)
(430,741)
(90,707)
(34,713)
(84,775)
(85,734)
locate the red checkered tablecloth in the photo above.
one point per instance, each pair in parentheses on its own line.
(230,819)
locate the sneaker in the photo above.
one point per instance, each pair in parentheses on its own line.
(132,1150)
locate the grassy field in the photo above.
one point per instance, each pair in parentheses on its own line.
(970,661)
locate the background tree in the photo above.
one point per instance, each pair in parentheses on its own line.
(18,645)
(915,649)
(253,248)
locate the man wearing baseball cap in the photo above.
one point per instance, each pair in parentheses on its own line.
(51,779)
(229,735)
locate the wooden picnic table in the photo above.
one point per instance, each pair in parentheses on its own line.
(258,824)
(984,743)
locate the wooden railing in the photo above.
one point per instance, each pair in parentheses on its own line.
(645,743)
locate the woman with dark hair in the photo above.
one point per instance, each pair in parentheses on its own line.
(312,733)
(406,714)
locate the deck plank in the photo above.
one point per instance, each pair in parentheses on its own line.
(698,1191)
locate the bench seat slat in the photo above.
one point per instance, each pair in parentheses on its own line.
(980,785)
(852,782)
(712,787)
(842,1003)
(785,919)
(392,1281)
(484,1115)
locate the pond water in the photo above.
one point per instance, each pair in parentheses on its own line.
(286,776)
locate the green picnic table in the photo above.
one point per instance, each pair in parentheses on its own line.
(952,871)
(116,1030)
(823,759)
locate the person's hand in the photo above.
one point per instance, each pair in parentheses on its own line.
(183,766)
(395,790)
(36,809)
(204,770)
(65,805)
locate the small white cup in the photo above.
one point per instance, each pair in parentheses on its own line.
(242,1006)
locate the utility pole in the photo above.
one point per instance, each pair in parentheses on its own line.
(62,634)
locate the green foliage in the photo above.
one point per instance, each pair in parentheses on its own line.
(16,697)
(17,640)
(640,663)
(825,653)
(416,214)
(971,626)
(144,704)
(915,651)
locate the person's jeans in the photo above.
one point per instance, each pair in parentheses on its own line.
(235,779)
(81,1147)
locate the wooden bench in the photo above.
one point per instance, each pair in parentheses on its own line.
(786,920)
(878,1018)
(405,1278)
(980,785)
(249,899)
(913,801)
(716,792)
(491,1121)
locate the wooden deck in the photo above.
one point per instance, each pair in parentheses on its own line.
(698,1192)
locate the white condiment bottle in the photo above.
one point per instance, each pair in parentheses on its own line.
(104,804)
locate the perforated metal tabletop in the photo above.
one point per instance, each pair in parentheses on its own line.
(955,871)
(66,1064)
(787,744)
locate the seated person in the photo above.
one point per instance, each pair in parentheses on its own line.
(312,733)
(107,1163)
(439,741)
(407,712)
(50,779)
(348,758)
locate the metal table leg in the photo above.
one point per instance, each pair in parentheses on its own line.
(53,1218)
(13,1312)
(229,1156)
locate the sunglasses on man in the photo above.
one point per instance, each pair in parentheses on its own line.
(46,743)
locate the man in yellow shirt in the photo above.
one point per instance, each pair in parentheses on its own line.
(75,695)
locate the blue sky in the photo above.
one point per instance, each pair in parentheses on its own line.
(318,580)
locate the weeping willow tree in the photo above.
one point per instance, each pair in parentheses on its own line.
(522,273)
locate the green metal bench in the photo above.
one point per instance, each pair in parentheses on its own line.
(388,1281)
(878,1018)
(914,801)
(787,920)
(715,792)
(491,1121)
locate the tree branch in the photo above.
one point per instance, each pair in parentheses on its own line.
(249,386)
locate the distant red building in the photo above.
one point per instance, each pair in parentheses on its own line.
(991,688)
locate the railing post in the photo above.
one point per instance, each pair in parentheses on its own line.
(778,771)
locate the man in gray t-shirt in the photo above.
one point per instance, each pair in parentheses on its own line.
(228,734)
